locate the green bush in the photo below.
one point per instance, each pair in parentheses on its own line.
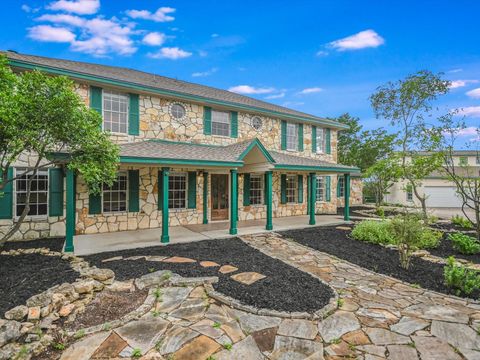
(461,222)
(408,233)
(380,212)
(430,239)
(460,278)
(377,232)
(464,244)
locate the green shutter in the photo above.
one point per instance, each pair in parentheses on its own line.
(265,200)
(55,189)
(308,194)
(160,193)
(283,189)
(328,147)
(246,189)
(284,135)
(134,115)
(207,120)
(94,204)
(338,186)
(300,137)
(96,99)
(314,139)
(300,188)
(192,189)
(234,120)
(133,191)
(6,197)
(327,188)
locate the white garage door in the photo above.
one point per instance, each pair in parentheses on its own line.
(442,196)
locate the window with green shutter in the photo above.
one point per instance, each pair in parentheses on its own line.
(133,115)
(133,191)
(328,188)
(6,197)
(300,137)
(328,146)
(246,189)
(300,189)
(284,135)
(207,120)
(55,188)
(192,189)
(314,139)
(234,120)
(283,188)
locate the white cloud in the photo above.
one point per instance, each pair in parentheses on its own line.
(82,7)
(49,33)
(250,90)
(154,39)
(311,90)
(205,73)
(66,19)
(322,53)
(161,15)
(468,131)
(172,53)
(292,103)
(275,96)
(455,71)
(363,39)
(29,9)
(455,84)
(475,93)
(214,35)
(469,111)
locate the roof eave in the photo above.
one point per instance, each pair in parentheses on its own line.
(332,169)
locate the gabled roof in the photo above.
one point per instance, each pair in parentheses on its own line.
(152,83)
(167,152)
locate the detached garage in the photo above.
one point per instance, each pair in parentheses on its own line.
(442,197)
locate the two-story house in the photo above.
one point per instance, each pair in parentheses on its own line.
(440,192)
(189,154)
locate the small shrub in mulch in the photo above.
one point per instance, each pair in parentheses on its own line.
(446,249)
(284,288)
(108,306)
(54,244)
(22,276)
(373,257)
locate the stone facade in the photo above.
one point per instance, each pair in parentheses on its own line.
(356,193)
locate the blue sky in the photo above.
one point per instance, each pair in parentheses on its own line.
(320,57)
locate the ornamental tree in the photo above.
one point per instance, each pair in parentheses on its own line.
(380,177)
(41,115)
(408,104)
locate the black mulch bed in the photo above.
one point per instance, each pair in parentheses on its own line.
(54,244)
(23,276)
(284,288)
(445,249)
(373,257)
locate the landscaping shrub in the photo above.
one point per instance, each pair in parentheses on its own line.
(464,244)
(380,212)
(461,222)
(460,278)
(408,233)
(430,239)
(377,232)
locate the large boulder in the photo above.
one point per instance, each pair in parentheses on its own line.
(9,331)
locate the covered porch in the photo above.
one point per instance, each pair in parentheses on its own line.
(97,243)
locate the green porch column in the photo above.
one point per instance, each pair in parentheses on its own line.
(313,198)
(165,173)
(233,201)
(268,198)
(346,208)
(70,211)
(205,197)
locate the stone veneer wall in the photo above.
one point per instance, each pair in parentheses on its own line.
(356,193)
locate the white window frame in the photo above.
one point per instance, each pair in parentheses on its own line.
(409,195)
(321,193)
(15,192)
(119,95)
(261,189)
(120,173)
(294,190)
(320,141)
(341,182)
(222,122)
(170,177)
(292,139)
(463,158)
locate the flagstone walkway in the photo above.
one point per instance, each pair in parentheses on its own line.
(378,317)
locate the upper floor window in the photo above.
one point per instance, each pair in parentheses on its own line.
(463,161)
(320,188)
(220,123)
(292,136)
(177,191)
(115,196)
(291,189)
(320,140)
(177,111)
(256,189)
(115,111)
(38,192)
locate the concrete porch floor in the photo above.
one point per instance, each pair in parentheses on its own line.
(97,243)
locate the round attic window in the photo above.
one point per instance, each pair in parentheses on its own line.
(177,111)
(257,123)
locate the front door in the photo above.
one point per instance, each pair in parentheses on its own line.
(219,197)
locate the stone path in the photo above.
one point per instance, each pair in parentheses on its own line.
(378,318)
